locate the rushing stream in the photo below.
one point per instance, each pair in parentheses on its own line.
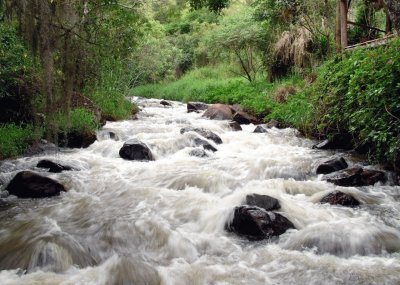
(163,222)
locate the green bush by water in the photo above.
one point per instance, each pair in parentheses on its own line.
(15,139)
(78,120)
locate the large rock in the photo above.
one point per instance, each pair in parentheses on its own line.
(76,139)
(235,126)
(256,224)
(27,184)
(165,103)
(52,166)
(355,177)
(338,141)
(205,144)
(196,107)
(218,112)
(204,133)
(260,130)
(244,118)
(340,198)
(332,165)
(263,201)
(135,150)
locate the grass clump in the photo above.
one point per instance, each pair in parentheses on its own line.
(16,138)
(78,120)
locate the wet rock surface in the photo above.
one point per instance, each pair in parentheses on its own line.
(219,112)
(196,107)
(260,130)
(204,133)
(165,103)
(332,165)
(27,184)
(256,223)
(205,144)
(355,177)
(268,203)
(76,140)
(53,167)
(244,118)
(136,150)
(340,198)
(235,126)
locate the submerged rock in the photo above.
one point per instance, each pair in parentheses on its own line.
(165,103)
(198,152)
(338,141)
(219,112)
(196,107)
(204,133)
(263,201)
(52,166)
(76,139)
(256,223)
(260,130)
(205,144)
(135,150)
(340,198)
(244,118)
(332,165)
(355,177)
(42,147)
(273,124)
(27,184)
(235,126)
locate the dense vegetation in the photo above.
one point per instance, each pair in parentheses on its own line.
(68,66)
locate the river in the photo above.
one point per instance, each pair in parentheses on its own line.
(162,222)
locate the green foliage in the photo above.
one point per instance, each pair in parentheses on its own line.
(110,89)
(15,138)
(213,5)
(358,93)
(213,86)
(78,120)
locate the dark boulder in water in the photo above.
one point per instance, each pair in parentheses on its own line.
(165,103)
(256,223)
(260,130)
(196,107)
(205,144)
(135,150)
(219,112)
(244,118)
(52,166)
(204,133)
(27,184)
(340,198)
(235,126)
(332,165)
(355,177)
(263,201)
(338,141)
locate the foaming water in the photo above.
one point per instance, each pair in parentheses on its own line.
(162,222)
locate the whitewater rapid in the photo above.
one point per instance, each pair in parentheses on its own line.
(162,222)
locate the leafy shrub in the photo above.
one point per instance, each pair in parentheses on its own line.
(359,93)
(79,120)
(14,139)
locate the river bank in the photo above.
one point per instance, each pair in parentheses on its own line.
(163,221)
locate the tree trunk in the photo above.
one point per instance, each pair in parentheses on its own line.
(393,7)
(343,23)
(338,30)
